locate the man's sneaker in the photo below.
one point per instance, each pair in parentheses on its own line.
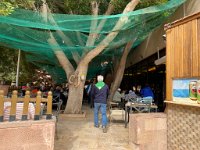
(104,129)
(96,126)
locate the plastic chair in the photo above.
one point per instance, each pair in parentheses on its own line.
(56,97)
(57,112)
(58,106)
(116,113)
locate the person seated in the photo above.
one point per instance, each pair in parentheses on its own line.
(19,111)
(57,97)
(63,98)
(146,91)
(56,94)
(34,91)
(130,95)
(117,96)
(117,99)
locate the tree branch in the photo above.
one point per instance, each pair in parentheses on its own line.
(65,38)
(110,37)
(120,69)
(93,36)
(78,34)
(108,12)
(76,56)
(63,60)
(95,10)
(44,10)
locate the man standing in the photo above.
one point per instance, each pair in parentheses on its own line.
(90,94)
(100,94)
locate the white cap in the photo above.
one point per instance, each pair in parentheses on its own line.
(99,78)
(119,89)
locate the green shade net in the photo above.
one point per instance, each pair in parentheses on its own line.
(29,31)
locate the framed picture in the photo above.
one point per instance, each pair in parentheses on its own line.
(181,87)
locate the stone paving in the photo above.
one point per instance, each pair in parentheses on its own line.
(80,134)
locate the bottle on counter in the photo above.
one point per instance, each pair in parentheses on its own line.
(198,91)
(193,90)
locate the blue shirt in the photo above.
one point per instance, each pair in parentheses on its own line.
(146,91)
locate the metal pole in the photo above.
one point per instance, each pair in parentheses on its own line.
(18,62)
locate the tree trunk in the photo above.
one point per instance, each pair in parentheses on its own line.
(75,97)
(120,71)
(74,103)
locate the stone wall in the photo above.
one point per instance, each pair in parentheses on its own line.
(27,135)
(148,131)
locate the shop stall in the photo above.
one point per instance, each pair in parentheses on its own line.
(183,83)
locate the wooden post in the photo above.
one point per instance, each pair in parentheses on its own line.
(49,106)
(13,106)
(25,106)
(38,106)
(1,105)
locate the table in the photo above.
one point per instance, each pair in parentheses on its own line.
(139,107)
(114,104)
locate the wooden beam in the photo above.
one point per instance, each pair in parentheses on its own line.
(182,21)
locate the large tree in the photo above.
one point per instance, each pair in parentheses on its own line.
(76,74)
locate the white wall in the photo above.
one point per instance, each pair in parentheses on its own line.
(155,41)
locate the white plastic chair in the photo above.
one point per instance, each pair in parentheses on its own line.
(116,113)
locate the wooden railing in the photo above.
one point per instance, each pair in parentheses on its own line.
(26,100)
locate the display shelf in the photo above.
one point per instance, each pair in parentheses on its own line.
(184,101)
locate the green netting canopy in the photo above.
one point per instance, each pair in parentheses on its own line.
(29,31)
